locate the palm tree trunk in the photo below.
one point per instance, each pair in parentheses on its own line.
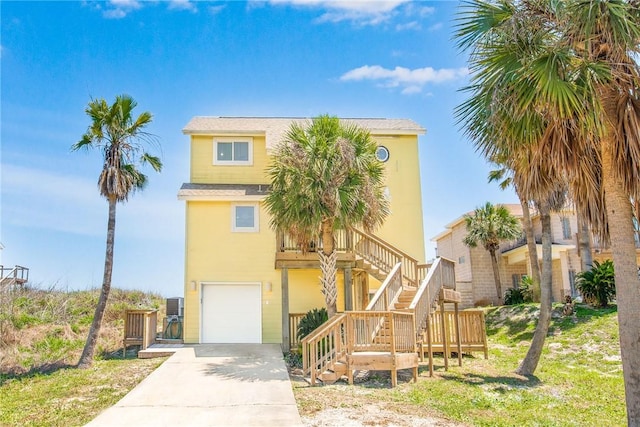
(532,248)
(328,258)
(496,275)
(619,218)
(86,359)
(584,244)
(530,362)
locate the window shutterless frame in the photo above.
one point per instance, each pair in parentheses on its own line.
(245,218)
(233,151)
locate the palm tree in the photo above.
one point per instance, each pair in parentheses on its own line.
(568,72)
(324,177)
(119,137)
(505,177)
(489,226)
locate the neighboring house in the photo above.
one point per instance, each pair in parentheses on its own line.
(243,279)
(474,276)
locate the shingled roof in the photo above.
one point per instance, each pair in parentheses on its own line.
(274,128)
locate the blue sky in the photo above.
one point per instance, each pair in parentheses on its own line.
(181,59)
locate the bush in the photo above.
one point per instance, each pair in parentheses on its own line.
(597,285)
(311,321)
(520,295)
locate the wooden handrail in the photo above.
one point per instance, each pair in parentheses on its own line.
(388,293)
(343,242)
(383,255)
(440,274)
(324,347)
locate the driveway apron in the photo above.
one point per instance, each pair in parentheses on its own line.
(211,385)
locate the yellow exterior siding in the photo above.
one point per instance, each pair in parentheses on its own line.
(216,254)
(305,291)
(403,227)
(204,171)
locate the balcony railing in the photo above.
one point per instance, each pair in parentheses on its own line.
(343,242)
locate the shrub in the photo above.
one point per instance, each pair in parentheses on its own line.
(311,321)
(520,295)
(597,285)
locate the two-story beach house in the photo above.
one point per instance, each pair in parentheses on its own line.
(474,274)
(243,279)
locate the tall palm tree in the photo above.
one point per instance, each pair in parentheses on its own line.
(325,176)
(120,138)
(568,71)
(489,226)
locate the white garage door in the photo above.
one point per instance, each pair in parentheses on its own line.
(231,313)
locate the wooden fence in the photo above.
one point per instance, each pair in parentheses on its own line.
(473,336)
(140,328)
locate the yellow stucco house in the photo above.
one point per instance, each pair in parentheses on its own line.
(243,279)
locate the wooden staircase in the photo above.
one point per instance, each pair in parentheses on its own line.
(13,276)
(391,333)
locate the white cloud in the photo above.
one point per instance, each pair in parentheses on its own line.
(411,81)
(39,199)
(413,25)
(436,26)
(182,5)
(363,12)
(117,9)
(214,10)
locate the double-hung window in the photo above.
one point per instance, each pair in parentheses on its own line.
(244,218)
(233,151)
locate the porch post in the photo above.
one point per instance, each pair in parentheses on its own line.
(348,289)
(286,339)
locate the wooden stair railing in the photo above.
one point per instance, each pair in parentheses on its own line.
(381,340)
(325,347)
(10,276)
(389,292)
(440,277)
(384,256)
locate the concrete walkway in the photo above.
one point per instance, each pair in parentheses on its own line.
(211,385)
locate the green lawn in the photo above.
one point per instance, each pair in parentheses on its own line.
(69,396)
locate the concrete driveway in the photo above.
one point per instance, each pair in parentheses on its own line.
(211,385)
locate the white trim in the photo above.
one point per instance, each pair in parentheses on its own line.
(232,140)
(256,218)
(201,294)
(219,197)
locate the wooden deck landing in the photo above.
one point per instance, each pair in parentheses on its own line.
(382,361)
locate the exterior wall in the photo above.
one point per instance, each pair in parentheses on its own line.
(216,254)
(484,288)
(203,171)
(305,292)
(403,227)
(452,247)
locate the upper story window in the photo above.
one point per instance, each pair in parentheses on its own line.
(244,218)
(233,151)
(566,228)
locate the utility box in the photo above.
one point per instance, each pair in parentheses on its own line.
(175,307)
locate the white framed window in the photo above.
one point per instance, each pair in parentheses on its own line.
(233,151)
(244,218)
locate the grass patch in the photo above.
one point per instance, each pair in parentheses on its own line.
(67,396)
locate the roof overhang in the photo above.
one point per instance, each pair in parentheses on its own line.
(519,254)
(223,192)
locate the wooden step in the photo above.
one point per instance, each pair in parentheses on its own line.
(334,374)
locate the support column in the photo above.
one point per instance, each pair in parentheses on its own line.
(565,282)
(348,289)
(286,339)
